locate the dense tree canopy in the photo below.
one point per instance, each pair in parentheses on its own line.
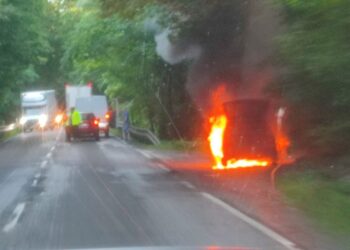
(316,50)
(24,47)
(112,44)
(118,55)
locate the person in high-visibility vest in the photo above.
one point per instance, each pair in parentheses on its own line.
(74,120)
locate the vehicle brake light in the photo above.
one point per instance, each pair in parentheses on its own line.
(59,118)
(107,116)
(96,122)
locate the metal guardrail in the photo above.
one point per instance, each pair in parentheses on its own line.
(142,132)
(145,133)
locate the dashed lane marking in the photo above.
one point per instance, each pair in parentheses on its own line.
(16,215)
(35,182)
(43,164)
(59,134)
(257,225)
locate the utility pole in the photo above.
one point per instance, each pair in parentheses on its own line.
(116,112)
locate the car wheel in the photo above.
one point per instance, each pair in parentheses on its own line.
(107,133)
(68,138)
(97,136)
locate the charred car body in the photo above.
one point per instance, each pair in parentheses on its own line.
(249,134)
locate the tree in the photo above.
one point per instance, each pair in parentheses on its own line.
(23,47)
(118,55)
(316,50)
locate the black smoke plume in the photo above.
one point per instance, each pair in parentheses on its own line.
(231,45)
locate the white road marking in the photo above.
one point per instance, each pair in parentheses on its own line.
(257,225)
(16,215)
(52,149)
(59,134)
(43,164)
(188,185)
(35,182)
(49,155)
(145,154)
(161,166)
(37,176)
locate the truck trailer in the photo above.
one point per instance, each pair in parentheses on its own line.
(74,92)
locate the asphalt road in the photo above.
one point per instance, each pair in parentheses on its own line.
(87,194)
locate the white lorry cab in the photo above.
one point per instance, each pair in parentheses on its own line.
(39,109)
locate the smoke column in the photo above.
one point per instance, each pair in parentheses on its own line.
(231,46)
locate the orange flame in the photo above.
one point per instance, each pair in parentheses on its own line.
(218,121)
(216,137)
(281,139)
(245,163)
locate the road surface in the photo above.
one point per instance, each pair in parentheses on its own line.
(87,194)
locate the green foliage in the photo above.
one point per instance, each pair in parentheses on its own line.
(23,48)
(326,201)
(9,134)
(44,44)
(316,50)
(178,145)
(118,55)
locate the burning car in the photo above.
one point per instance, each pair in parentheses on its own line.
(248,134)
(245,134)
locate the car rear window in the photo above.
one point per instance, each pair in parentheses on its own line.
(94,104)
(87,116)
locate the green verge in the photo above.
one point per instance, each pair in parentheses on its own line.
(325,200)
(179,145)
(173,145)
(7,135)
(115,132)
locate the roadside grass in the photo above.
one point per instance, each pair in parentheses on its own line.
(167,145)
(7,135)
(180,145)
(115,132)
(325,200)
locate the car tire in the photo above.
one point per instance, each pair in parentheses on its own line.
(97,136)
(68,138)
(107,133)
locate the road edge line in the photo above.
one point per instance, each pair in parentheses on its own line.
(188,185)
(257,225)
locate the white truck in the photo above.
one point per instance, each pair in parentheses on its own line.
(39,109)
(75,92)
